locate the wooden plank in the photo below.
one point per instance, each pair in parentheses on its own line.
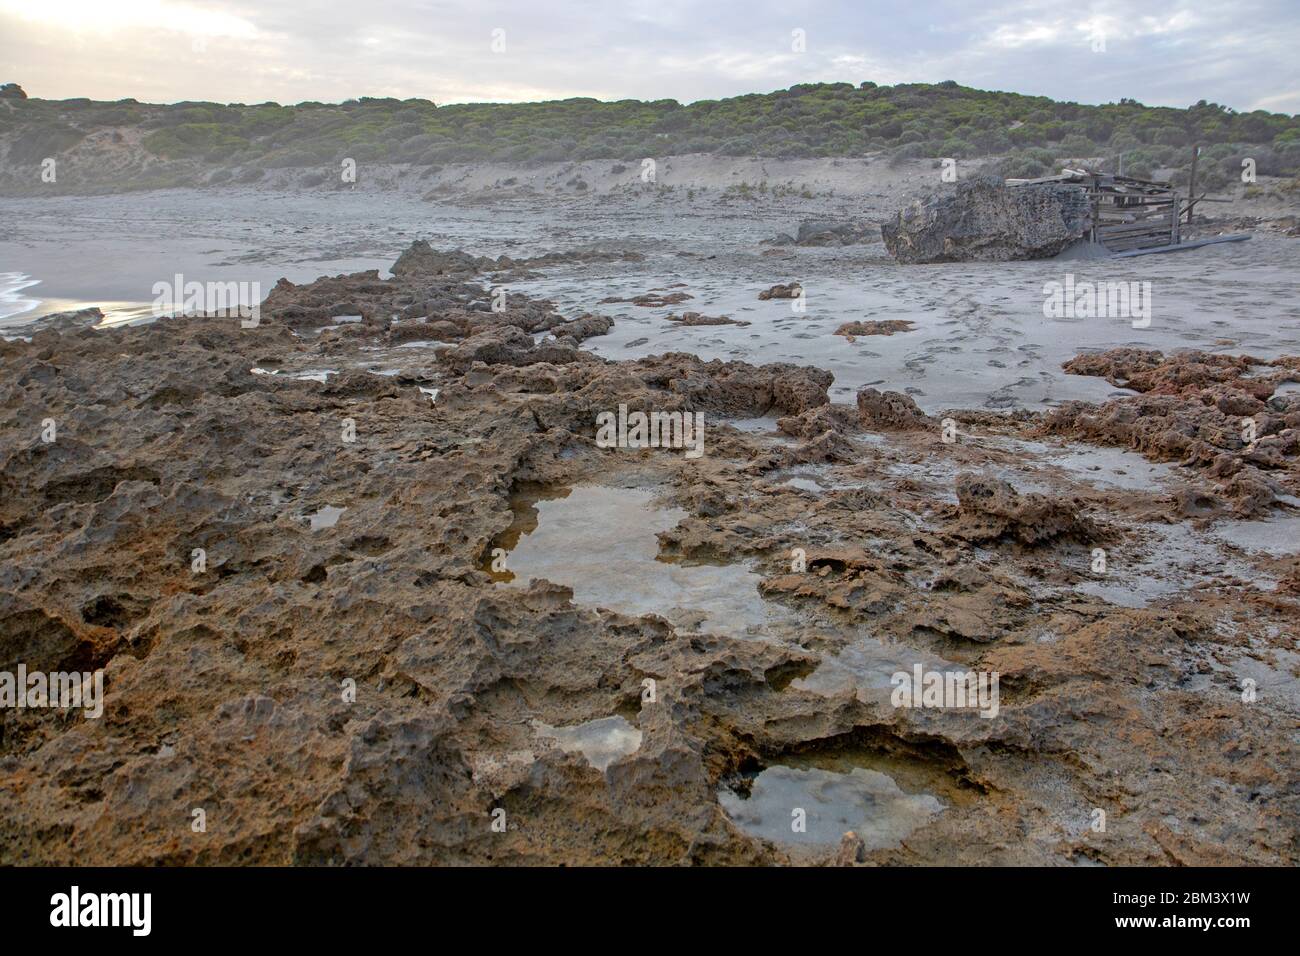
(1144,215)
(1192,244)
(1124,232)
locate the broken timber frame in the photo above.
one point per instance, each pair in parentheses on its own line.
(1127,213)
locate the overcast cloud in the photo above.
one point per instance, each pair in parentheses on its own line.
(1242,54)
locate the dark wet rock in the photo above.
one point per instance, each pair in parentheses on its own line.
(511,346)
(1147,370)
(422,260)
(820,419)
(821,232)
(65,321)
(695,318)
(829,446)
(423,301)
(981,613)
(850,330)
(848,579)
(1197,503)
(1253,494)
(797,388)
(987,221)
(584,327)
(654,299)
(790,291)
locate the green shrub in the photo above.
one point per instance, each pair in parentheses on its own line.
(808,119)
(37,144)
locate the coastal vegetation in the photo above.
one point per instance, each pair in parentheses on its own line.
(1031,135)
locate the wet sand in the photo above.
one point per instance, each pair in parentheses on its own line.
(980,337)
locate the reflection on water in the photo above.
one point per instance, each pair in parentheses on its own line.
(602,543)
(601,741)
(12,301)
(813,806)
(19,310)
(326,517)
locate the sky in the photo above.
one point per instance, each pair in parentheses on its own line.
(1242,54)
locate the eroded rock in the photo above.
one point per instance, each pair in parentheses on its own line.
(991,509)
(984,220)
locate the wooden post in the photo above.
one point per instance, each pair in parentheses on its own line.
(1191,187)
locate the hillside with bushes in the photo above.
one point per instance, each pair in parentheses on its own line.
(1030,135)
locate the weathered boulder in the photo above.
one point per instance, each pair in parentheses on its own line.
(421,259)
(986,220)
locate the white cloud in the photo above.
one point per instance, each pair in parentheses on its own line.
(1240,54)
(128,17)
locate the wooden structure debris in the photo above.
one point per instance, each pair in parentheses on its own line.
(1127,213)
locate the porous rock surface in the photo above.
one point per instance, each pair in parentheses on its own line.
(1210,411)
(985,220)
(368,693)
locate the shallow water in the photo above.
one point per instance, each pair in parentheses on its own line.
(327,517)
(1172,559)
(866,666)
(21,302)
(601,542)
(12,300)
(600,741)
(1103,467)
(1274,536)
(863,800)
(980,337)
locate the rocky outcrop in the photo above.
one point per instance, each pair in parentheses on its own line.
(1208,410)
(851,330)
(889,411)
(992,509)
(421,259)
(67,321)
(825,232)
(986,220)
(511,346)
(787,291)
(820,232)
(693,319)
(654,299)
